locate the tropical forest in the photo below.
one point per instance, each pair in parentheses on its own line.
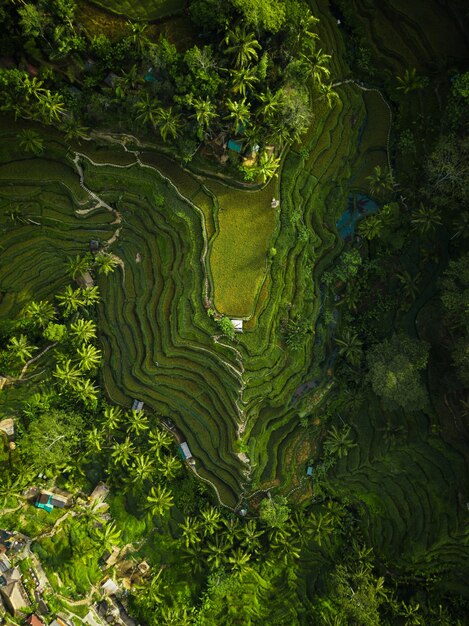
(234,312)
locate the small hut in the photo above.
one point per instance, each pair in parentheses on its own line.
(137,405)
(238,325)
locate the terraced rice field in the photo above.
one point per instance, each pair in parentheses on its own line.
(143,9)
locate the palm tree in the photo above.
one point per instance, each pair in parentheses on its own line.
(159,439)
(233,529)
(10,488)
(426,219)
(89,356)
(78,266)
(329,94)
(71,299)
(460,225)
(159,501)
(205,113)
(371,227)
(350,346)
(83,331)
(169,123)
(132,78)
(20,348)
(147,109)
(250,538)
(73,128)
(94,438)
(267,166)
(40,313)
(320,526)
(169,466)
(239,560)
(210,520)
(51,106)
(122,452)
(105,263)
(112,418)
(138,36)
(338,441)
(411,81)
(137,422)
(270,104)
(239,112)
(289,550)
(410,284)
(243,45)
(108,535)
(315,60)
(67,373)
(190,531)
(243,80)
(216,552)
(90,296)
(86,391)
(380,181)
(31,141)
(142,468)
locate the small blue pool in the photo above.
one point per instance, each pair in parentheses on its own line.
(359,206)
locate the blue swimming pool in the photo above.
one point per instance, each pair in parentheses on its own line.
(359,206)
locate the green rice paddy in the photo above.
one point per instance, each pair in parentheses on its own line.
(142,9)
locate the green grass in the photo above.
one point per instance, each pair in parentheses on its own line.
(143,9)
(238,256)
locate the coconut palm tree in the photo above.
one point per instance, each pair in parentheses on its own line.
(83,331)
(137,422)
(73,128)
(122,452)
(169,466)
(132,78)
(78,266)
(95,438)
(328,93)
(233,529)
(108,535)
(142,468)
(242,45)
(320,527)
(20,348)
(239,112)
(410,284)
(426,219)
(89,356)
(158,439)
(191,529)
(316,61)
(338,441)
(205,114)
(267,166)
(289,550)
(350,347)
(216,552)
(159,501)
(169,123)
(250,537)
(380,181)
(243,80)
(71,299)
(371,227)
(40,313)
(31,141)
(239,560)
(105,263)
(67,373)
(410,81)
(138,36)
(86,392)
(147,108)
(210,520)
(90,296)
(51,107)
(270,104)
(112,418)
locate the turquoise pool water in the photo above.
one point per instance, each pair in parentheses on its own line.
(359,206)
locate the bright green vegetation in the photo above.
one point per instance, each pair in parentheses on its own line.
(353,359)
